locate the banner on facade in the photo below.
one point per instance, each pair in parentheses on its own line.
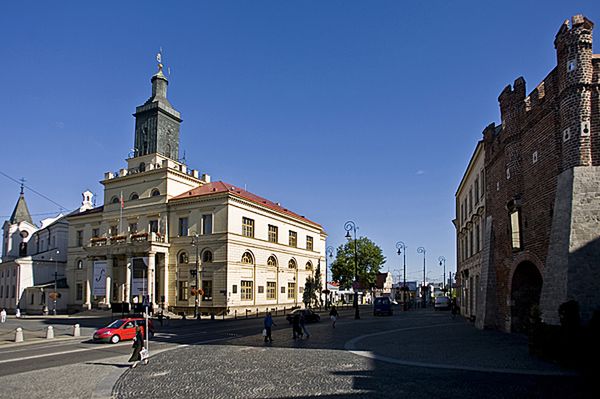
(99,278)
(139,276)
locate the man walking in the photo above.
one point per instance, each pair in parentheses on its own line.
(269,323)
(3,316)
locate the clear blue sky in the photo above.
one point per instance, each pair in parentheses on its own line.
(339,110)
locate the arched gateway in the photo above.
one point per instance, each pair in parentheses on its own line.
(525,294)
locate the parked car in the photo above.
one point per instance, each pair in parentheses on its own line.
(442,303)
(309,315)
(382,305)
(123,329)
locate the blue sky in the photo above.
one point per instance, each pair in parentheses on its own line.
(340,110)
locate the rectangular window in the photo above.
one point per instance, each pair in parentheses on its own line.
(153,226)
(13,292)
(32,299)
(207,288)
(95,234)
(477,235)
(470,200)
(471,243)
(183,290)
(234,289)
(293,239)
(246,290)
(309,243)
(476,193)
(247,227)
(80,238)
(132,228)
(515,229)
(183,227)
(482,183)
(79,292)
(273,233)
(261,289)
(283,290)
(271,290)
(207,224)
(291,290)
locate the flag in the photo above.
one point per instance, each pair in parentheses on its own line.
(122,201)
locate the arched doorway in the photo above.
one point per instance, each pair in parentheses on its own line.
(525,293)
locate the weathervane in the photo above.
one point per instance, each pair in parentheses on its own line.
(159,59)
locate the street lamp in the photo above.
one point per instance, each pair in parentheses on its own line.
(443,262)
(328,253)
(195,243)
(348,226)
(401,246)
(55,281)
(423,251)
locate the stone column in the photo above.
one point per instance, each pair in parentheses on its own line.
(150,277)
(88,284)
(109,273)
(165,287)
(127,285)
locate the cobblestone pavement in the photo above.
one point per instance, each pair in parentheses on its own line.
(321,366)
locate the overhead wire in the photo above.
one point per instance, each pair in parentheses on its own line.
(62,208)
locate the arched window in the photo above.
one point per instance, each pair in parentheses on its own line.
(134,196)
(309,265)
(115,200)
(292,264)
(142,167)
(207,256)
(80,264)
(183,258)
(247,258)
(155,192)
(272,261)
(168,151)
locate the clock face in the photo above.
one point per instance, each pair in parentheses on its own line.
(24,234)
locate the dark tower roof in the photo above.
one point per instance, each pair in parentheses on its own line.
(21,212)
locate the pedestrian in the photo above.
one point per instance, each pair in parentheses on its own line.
(296,330)
(303,325)
(18,313)
(454,307)
(160,318)
(269,323)
(138,344)
(333,315)
(3,316)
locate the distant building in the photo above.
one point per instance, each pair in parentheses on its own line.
(541,238)
(33,262)
(166,233)
(383,284)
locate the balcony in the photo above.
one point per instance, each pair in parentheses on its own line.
(127,239)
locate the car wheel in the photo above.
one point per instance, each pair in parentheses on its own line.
(115,339)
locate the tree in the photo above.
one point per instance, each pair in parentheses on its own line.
(309,296)
(370,260)
(318,285)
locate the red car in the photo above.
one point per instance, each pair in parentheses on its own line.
(123,329)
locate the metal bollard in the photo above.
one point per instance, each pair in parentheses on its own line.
(246,313)
(50,332)
(257,313)
(19,334)
(235,314)
(76,331)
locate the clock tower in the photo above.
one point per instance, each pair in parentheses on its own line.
(157,122)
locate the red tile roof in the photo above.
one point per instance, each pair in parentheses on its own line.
(220,187)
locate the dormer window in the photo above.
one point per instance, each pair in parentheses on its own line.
(155,193)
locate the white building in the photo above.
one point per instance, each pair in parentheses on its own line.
(161,221)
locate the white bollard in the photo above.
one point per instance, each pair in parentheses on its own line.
(50,332)
(19,334)
(76,331)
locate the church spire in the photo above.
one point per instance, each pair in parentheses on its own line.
(21,211)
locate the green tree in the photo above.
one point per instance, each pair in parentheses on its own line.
(370,260)
(309,297)
(318,285)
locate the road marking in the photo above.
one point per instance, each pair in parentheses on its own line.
(350,346)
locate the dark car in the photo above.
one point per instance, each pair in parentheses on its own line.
(309,315)
(382,305)
(442,303)
(122,329)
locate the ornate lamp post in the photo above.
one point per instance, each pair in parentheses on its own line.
(423,251)
(443,262)
(195,243)
(351,226)
(328,253)
(401,246)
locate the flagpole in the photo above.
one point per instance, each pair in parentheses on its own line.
(121,215)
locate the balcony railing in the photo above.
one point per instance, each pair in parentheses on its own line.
(126,239)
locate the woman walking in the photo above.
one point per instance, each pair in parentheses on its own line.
(138,344)
(333,315)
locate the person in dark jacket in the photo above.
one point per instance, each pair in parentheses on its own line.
(269,323)
(296,329)
(138,344)
(333,315)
